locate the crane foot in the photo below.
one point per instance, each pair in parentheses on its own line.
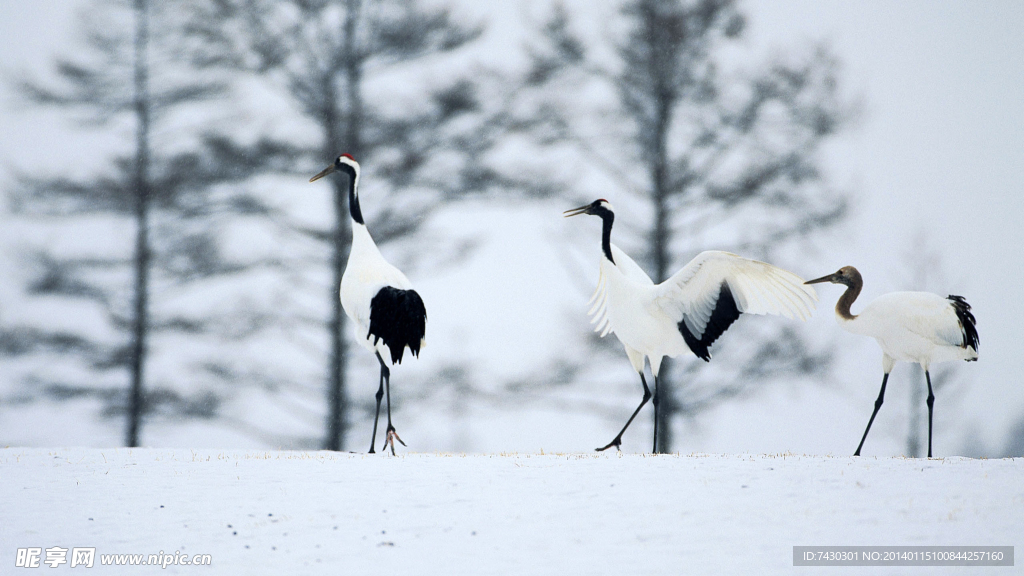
(392,435)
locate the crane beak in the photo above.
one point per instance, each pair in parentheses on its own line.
(830,278)
(576,211)
(322,173)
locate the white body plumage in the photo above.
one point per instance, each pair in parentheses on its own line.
(916,327)
(366,273)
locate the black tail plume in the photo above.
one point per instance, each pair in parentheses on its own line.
(399,318)
(967,322)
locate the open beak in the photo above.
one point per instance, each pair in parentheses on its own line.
(576,211)
(322,173)
(829,278)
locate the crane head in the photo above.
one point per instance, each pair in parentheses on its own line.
(598,207)
(345,163)
(847,275)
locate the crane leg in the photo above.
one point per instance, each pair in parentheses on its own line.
(931,402)
(617,441)
(654,400)
(384,371)
(878,404)
(391,435)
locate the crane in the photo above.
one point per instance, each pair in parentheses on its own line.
(916,327)
(388,315)
(688,311)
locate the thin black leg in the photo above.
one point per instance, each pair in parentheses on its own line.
(654,450)
(618,439)
(931,402)
(384,372)
(391,434)
(878,404)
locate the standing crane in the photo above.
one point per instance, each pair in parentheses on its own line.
(688,311)
(387,313)
(909,327)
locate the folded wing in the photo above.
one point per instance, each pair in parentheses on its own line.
(631,270)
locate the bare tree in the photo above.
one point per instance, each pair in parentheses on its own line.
(122,77)
(706,154)
(323,54)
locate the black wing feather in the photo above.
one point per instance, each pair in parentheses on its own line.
(963,313)
(399,318)
(724,314)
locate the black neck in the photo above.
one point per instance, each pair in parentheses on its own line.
(353,198)
(607,218)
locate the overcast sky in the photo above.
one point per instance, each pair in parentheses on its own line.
(938,150)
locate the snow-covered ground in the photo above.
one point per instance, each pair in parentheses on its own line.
(338,513)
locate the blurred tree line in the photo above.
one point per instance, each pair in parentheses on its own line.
(217,102)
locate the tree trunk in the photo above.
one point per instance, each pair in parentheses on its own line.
(142,249)
(337,424)
(916,400)
(337,420)
(661,240)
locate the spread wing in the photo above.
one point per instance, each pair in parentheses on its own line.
(710,293)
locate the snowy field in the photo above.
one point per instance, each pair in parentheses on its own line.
(338,513)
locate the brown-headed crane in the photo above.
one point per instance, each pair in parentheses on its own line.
(916,327)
